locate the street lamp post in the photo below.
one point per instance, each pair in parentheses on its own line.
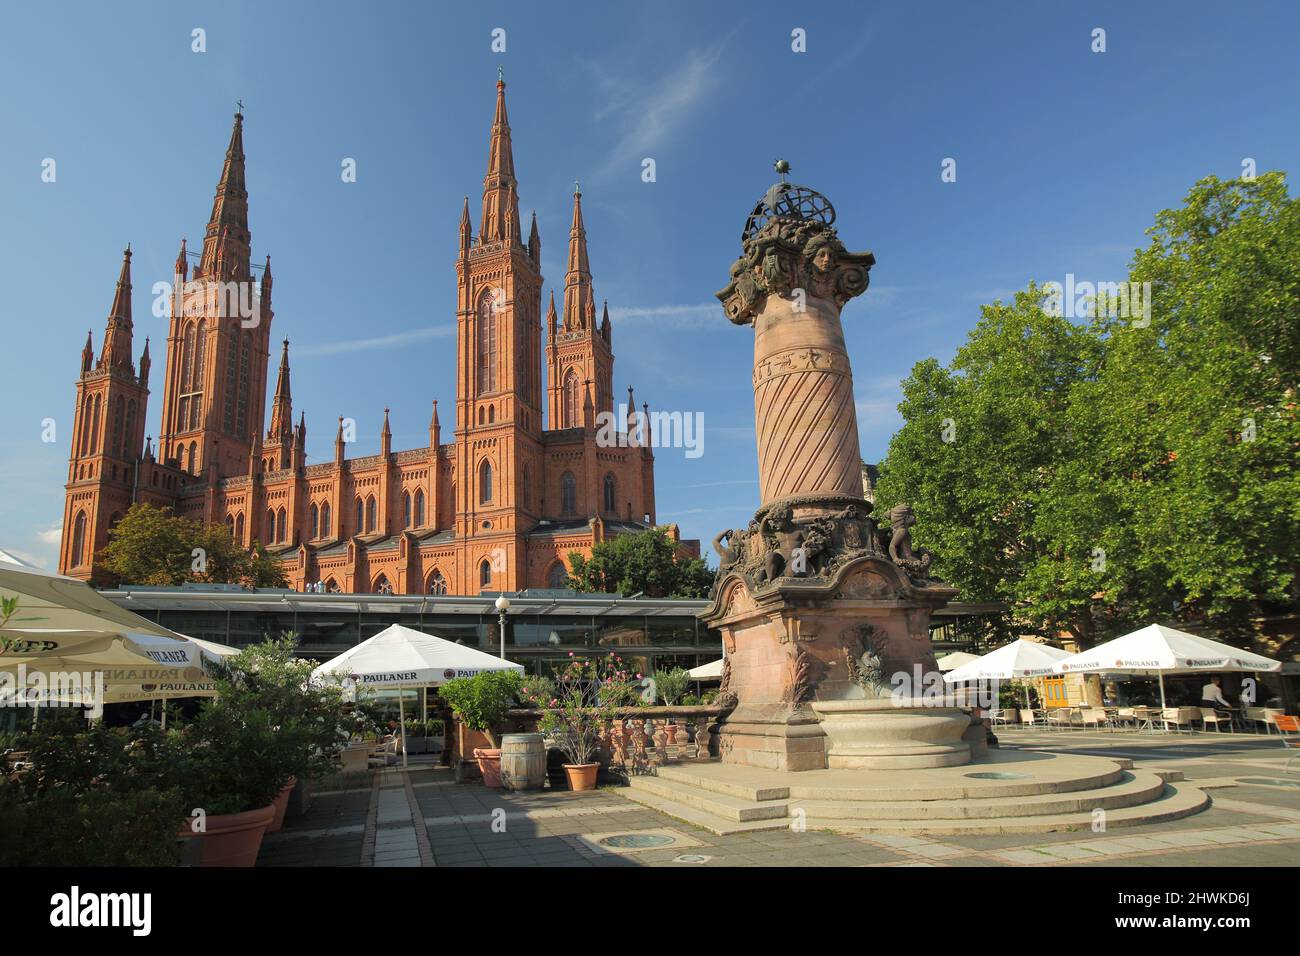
(503,605)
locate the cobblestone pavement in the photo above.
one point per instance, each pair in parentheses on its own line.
(423,818)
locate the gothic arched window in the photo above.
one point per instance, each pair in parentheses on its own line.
(382,586)
(232,386)
(611,496)
(525,488)
(325,520)
(128,436)
(487,343)
(79,539)
(571,408)
(370,513)
(239,528)
(568,494)
(437,583)
(485,482)
(119,413)
(361,517)
(485,574)
(406,508)
(268,535)
(314,521)
(281,528)
(419,507)
(245,384)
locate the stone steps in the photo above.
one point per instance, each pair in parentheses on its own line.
(1038,795)
(1173,804)
(1138,788)
(736,809)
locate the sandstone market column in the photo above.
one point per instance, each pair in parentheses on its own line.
(815,604)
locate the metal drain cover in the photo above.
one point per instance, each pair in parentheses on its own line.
(636,841)
(998,775)
(692,858)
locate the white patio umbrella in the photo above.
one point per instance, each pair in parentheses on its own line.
(399,657)
(1160,650)
(1019,659)
(954,660)
(710,671)
(59,624)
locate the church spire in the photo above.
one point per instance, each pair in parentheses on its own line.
(551,317)
(226,242)
(117,334)
(145,363)
(579,305)
(88,353)
(500,199)
(282,408)
(182,266)
(535,242)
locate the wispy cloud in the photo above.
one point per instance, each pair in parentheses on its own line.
(683,314)
(375,343)
(651,113)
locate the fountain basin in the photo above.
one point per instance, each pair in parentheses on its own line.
(892,734)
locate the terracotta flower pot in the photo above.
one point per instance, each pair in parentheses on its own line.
(281,804)
(232,839)
(489,764)
(582,776)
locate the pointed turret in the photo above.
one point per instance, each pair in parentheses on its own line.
(226,242)
(579,306)
(116,352)
(182,267)
(88,353)
(551,318)
(435,428)
(466,228)
(145,364)
(339,443)
(266,284)
(500,198)
(282,408)
(606,330)
(386,437)
(535,242)
(300,436)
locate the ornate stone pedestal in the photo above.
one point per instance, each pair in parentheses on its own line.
(814,602)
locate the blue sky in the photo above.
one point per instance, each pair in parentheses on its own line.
(1063,158)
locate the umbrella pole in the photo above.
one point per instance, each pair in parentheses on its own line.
(163,705)
(1162,691)
(401,721)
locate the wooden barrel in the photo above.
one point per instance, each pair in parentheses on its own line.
(523,762)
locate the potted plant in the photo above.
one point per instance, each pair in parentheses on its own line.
(416,735)
(480,703)
(588,694)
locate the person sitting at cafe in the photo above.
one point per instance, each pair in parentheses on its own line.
(1212,696)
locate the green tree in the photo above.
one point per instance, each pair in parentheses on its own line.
(1201,405)
(646,562)
(1104,473)
(153,546)
(995,466)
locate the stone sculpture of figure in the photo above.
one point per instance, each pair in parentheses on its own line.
(915,563)
(729,553)
(779,522)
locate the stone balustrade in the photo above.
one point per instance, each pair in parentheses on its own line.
(635,740)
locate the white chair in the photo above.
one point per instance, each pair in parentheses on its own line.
(1005,716)
(1093,717)
(1061,717)
(1262,716)
(1211,716)
(1180,717)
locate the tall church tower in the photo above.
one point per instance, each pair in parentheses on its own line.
(498,473)
(218,342)
(579,351)
(107,436)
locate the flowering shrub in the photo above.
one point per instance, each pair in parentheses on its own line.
(588,692)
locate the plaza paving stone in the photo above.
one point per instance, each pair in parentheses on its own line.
(421,817)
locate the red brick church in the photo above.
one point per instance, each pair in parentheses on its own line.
(522,482)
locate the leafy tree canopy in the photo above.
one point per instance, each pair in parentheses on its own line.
(646,562)
(153,546)
(1100,473)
